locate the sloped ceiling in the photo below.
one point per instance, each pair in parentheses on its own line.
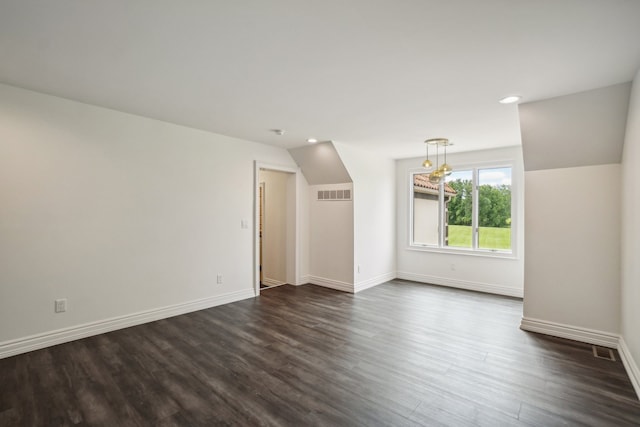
(320,164)
(581,129)
(380,75)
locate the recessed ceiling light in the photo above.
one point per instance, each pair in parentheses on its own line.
(312,140)
(278,131)
(510,99)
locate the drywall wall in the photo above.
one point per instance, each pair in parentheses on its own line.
(320,163)
(276,216)
(572,265)
(351,242)
(498,275)
(291,230)
(117,213)
(630,277)
(303,233)
(580,129)
(374,230)
(331,239)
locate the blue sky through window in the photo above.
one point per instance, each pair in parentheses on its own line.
(493,176)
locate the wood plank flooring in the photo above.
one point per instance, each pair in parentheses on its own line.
(399,354)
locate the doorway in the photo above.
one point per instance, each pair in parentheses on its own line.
(276,226)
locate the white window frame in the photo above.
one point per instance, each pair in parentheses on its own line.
(474,250)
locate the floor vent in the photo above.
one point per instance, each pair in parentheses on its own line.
(603,353)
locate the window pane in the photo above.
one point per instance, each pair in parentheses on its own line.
(458,195)
(494,209)
(425,211)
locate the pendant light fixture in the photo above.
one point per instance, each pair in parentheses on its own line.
(441,171)
(427,164)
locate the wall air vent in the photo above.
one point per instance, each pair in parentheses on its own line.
(326,195)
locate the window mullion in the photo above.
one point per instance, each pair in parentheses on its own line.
(441,216)
(474,211)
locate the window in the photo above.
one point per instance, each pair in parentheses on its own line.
(470,211)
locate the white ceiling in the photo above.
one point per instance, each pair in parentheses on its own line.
(381,74)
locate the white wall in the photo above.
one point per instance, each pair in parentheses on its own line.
(630,292)
(572,268)
(331,239)
(476,272)
(580,129)
(291,230)
(320,163)
(374,215)
(117,213)
(276,217)
(303,231)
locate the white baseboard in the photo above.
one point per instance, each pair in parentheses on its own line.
(374,281)
(47,339)
(589,336)
(630,365)
(303,280)
(330,283)
(272,282)
(461,284)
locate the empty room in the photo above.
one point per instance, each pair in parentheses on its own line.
(290,213)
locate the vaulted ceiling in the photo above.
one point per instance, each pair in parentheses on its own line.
(379,74)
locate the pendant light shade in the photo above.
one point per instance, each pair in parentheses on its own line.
(443,170)
(427,164)
(436,176)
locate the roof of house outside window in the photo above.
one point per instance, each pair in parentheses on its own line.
(421,184)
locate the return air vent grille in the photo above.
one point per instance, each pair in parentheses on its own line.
(603,353)
(327,195)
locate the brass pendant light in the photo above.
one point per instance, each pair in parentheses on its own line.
(441,171)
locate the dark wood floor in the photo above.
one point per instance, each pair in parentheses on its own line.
(399,354)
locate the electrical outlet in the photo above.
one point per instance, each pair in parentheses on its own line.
(358,268)
(61,305)
(219,279)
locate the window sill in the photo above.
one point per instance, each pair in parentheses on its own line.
(464,252)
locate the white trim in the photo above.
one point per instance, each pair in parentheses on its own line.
(586,335)
(298,237)
(474,167)
(262,188)
(330,283)
(303,280)
(462,284)
(59,336)
(257,166)
(272,282)
(630,365)
(461,251)
(374,281)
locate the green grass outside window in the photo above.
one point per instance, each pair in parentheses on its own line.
(490,237)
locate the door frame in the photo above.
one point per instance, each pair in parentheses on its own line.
(256,220)
(261,221)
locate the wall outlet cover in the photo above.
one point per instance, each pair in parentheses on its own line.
(60,305)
